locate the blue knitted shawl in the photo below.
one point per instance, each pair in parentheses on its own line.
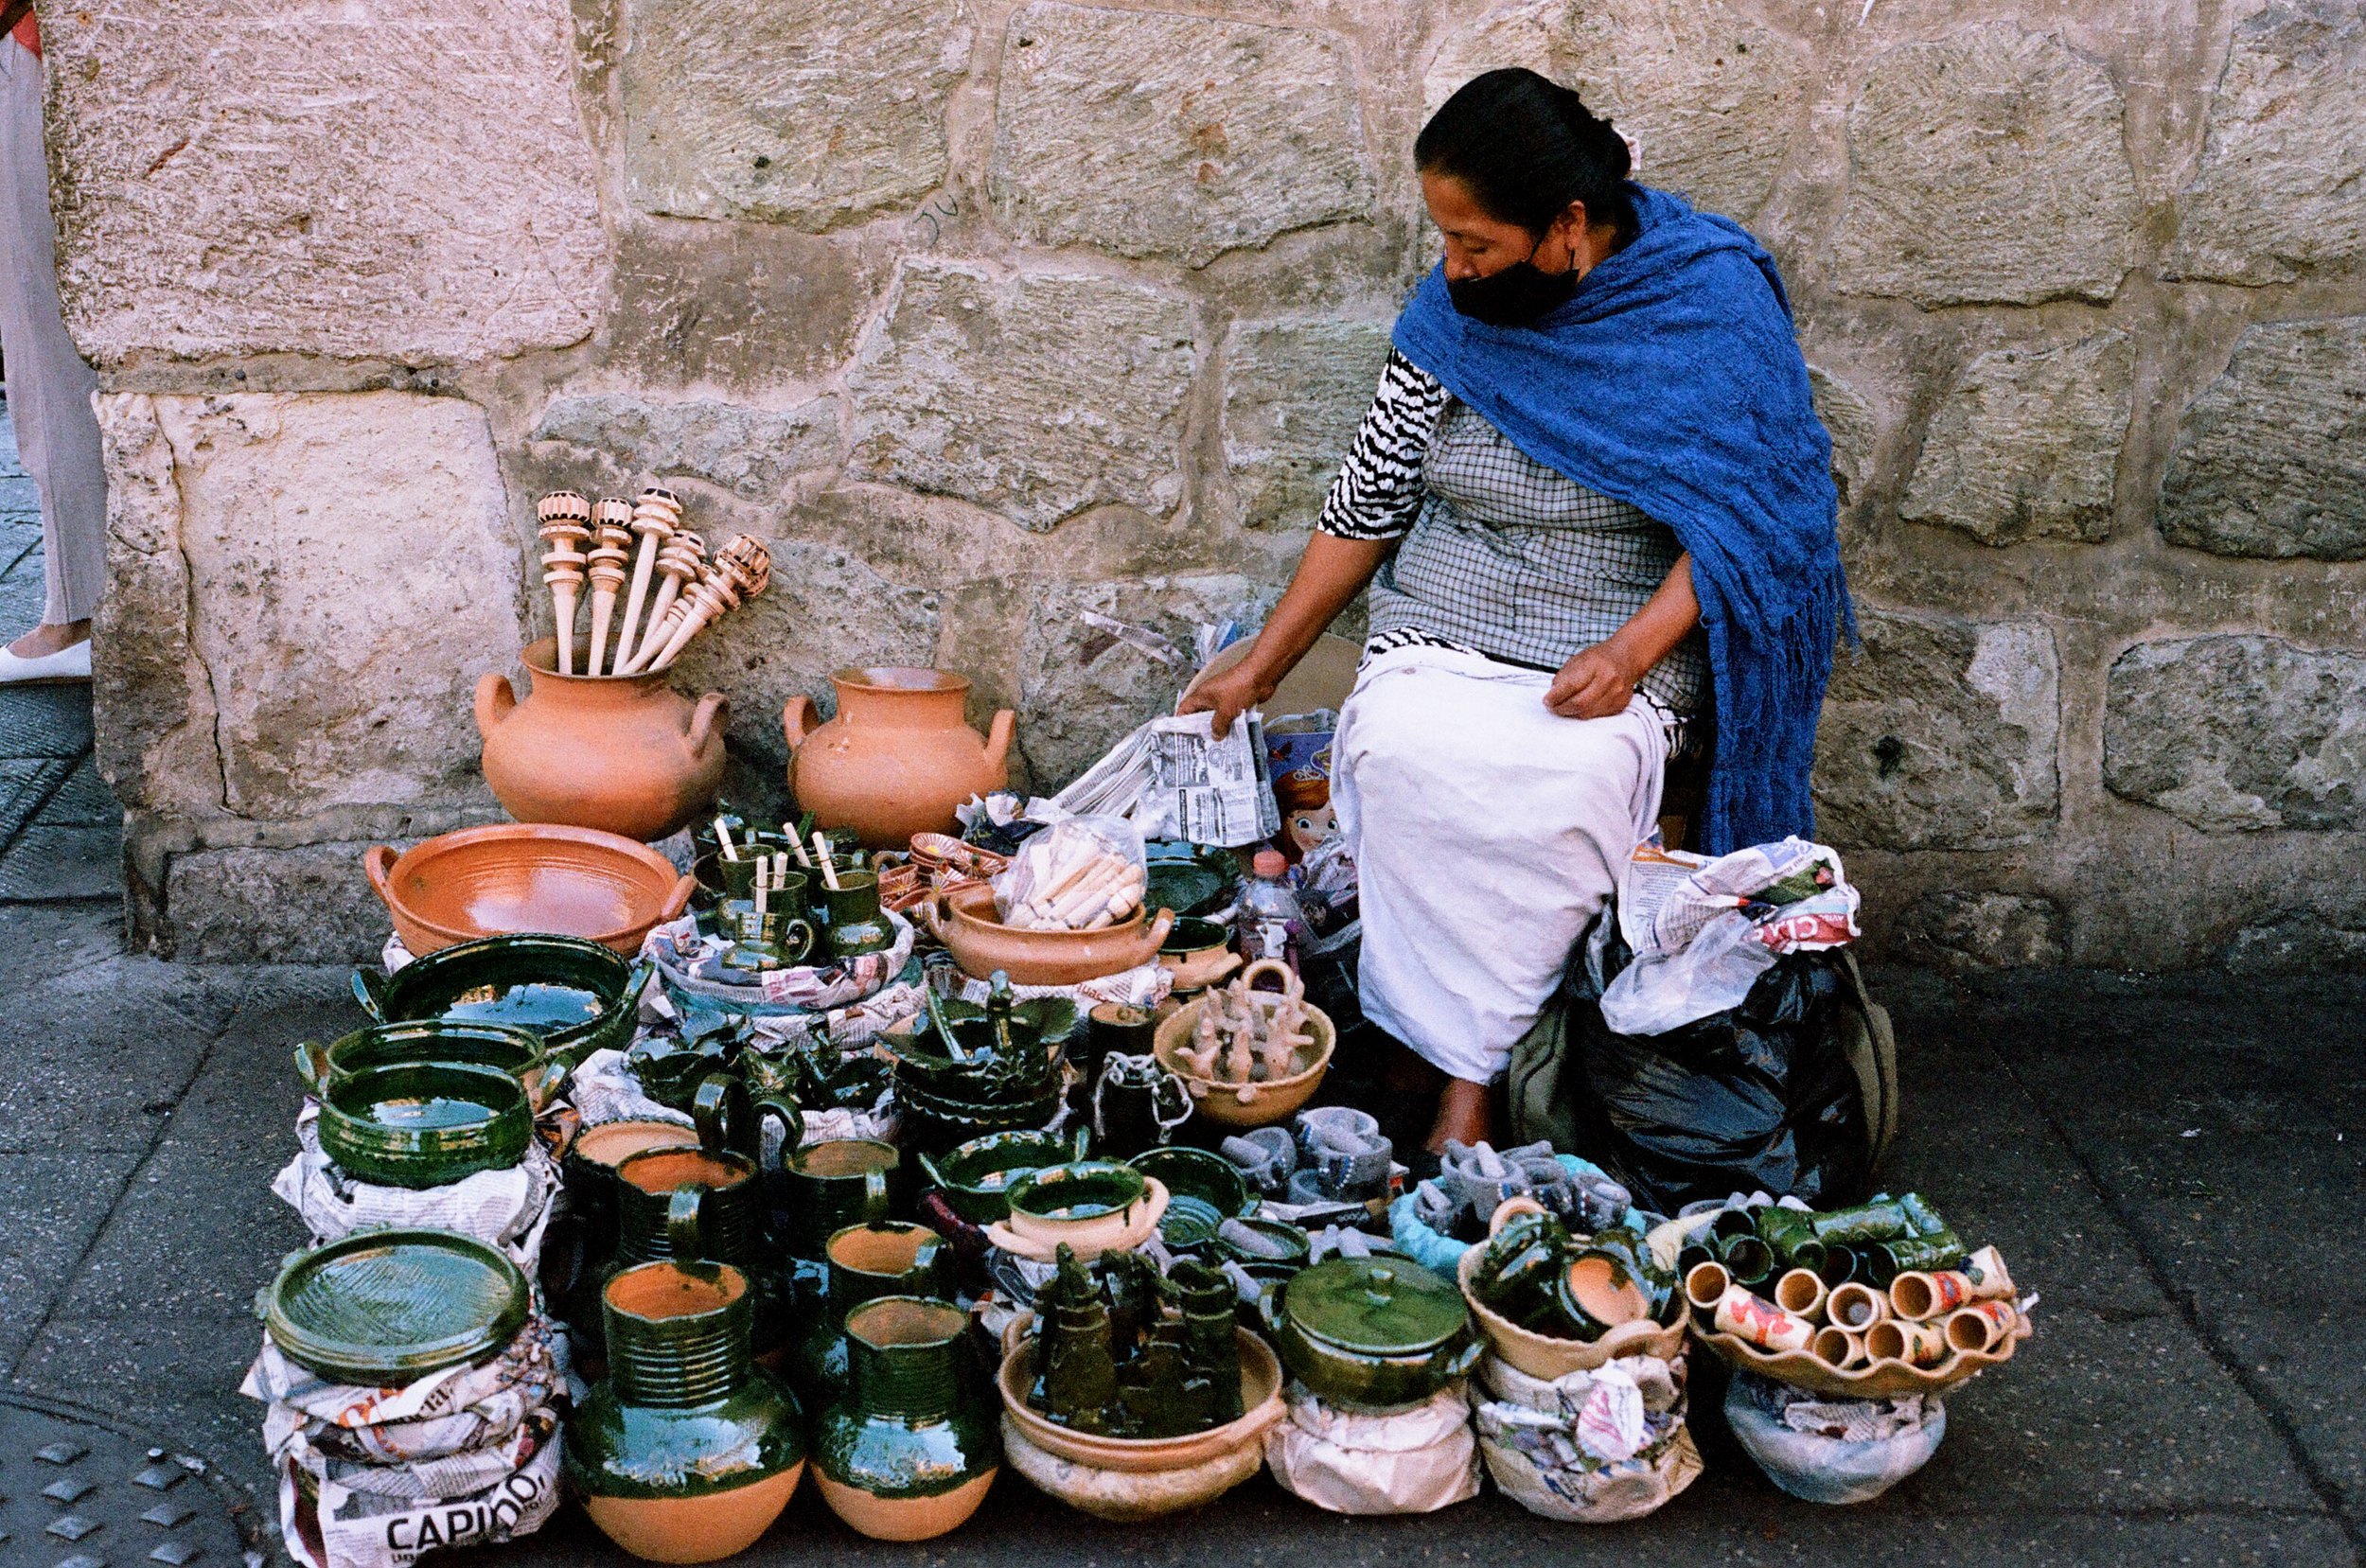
(1673,380)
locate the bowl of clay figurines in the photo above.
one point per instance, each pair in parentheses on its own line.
(1249,1057)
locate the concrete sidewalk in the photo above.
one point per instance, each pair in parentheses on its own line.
(2152,1157)
(2166,1161)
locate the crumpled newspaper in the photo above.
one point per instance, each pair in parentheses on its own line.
(346,1525)
(504,1208)
(1593,1446)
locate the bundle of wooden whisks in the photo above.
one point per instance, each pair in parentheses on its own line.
(694,587)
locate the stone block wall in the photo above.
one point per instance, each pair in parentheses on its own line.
(1007,321)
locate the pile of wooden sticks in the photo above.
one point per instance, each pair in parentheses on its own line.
(694,587)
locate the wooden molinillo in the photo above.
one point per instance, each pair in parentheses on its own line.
(691,589)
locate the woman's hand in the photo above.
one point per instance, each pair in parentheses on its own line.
(1596,684)
(1227,695)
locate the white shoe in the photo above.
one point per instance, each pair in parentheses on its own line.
(52,669)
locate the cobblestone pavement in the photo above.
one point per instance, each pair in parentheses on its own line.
(2165,1160)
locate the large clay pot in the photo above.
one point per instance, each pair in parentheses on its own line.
(910,1450)
(688,1451)
(624,753)
(897,758)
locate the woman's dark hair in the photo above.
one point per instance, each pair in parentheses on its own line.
(1527,147)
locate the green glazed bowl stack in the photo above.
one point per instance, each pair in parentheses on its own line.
(1203,1192)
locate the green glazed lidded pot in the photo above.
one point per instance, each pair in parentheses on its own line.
(855,925)
(688,1452)
(909,1451)
(862,1263)
(1372,1332)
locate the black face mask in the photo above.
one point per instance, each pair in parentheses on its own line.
(1515,296)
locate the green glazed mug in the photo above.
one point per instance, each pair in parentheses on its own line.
(836,1184)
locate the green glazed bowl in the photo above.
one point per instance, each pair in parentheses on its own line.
(424,1123)
(518,1052)
(976,1176)
(1203,1192)
(578,996)
(384,1308)
(1083,1202)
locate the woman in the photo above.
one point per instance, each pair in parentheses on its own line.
(49,386)
(1592,505)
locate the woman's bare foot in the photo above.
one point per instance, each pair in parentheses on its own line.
(42,642)
(1466,1113)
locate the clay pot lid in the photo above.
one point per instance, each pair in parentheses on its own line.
(1375,1306)
(383,1307)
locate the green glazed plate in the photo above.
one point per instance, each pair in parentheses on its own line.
(384,1308)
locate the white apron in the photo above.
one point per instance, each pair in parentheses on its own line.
(1488,831)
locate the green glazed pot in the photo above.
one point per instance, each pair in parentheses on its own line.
(862,1263)
(976,1176)
(1372,1332)
(910,1450)
(424,1123)
(688,1452)
(520,1052)
(855,925)
(577,996)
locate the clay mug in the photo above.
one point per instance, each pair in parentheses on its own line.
(897,758)
(626,754)
(834,1184)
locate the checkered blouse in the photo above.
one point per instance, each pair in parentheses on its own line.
(1501,556)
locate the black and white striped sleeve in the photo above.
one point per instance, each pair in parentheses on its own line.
(1379,488)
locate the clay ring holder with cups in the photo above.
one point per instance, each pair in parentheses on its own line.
(1546,1357)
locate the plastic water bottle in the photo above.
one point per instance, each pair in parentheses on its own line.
(1271,924)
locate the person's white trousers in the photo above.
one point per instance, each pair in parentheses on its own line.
(49,386)
(1488,831)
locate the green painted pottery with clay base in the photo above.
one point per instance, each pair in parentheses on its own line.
(698,1204)
(976,1176)
(1084,1203)
(424,1123)
(383,1307)
(576,995)
(1203,1192)
(834,1184)
(520,1052)
(1372,1332)
(909,1451)
(688,1452)
(862,1263)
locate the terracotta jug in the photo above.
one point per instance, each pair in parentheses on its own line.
(897,758)
(627,754)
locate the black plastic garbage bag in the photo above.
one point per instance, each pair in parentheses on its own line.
(1791,1092)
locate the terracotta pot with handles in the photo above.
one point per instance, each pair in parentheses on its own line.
(898,757)
(626,754)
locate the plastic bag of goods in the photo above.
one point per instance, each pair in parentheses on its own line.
(1082,874)
(1832,1450)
